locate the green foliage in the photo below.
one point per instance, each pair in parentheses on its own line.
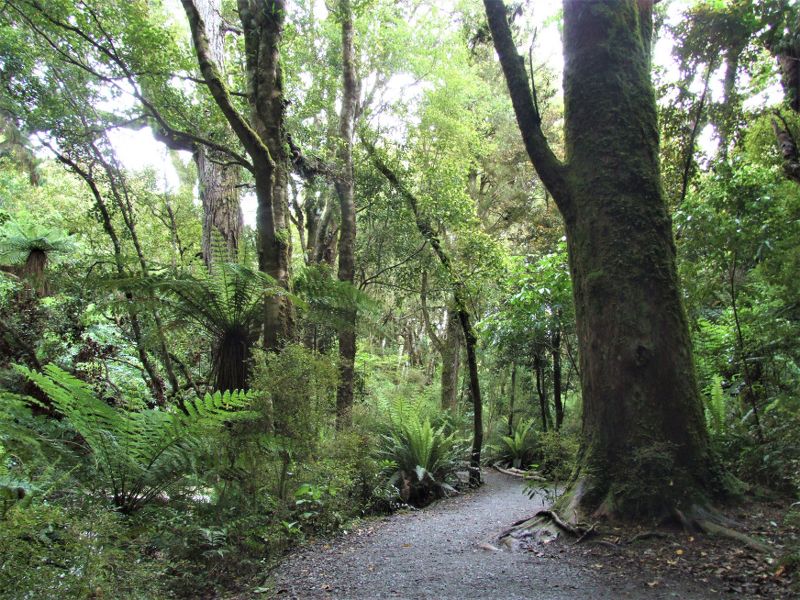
(140,454)
(521,445)
(423,458)
(75,550)
(715,405)
(297,387)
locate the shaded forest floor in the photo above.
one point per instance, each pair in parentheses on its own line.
(449,550)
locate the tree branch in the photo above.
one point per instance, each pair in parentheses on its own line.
(552,171)
(219,91)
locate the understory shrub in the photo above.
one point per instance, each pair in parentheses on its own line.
(75,548)
(422,460)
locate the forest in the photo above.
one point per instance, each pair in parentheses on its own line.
(328,278)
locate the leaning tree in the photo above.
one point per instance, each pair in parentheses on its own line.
(645,449)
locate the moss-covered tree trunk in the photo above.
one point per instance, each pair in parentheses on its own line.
(645,448)
(345,189)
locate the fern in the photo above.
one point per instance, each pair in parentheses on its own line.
(140,454)
(715,405)
(422,456)
(520,447)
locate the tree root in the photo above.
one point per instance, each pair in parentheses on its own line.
(514,472)
(712,528)
(543,521)
(547,525)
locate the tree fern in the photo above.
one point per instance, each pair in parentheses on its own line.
(227,304)
(139,454)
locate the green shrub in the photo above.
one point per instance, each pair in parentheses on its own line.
(423,459)
(519,448)
(74,550)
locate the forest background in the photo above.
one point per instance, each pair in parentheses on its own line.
(190,389)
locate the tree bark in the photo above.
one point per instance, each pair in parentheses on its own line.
(556,353)
(541,388)
(219,196)
(347,232)
(641,406)
(512,399)
(449,348)
(451,361)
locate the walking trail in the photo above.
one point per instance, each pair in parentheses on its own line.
(445,551)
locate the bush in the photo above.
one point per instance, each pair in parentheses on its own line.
(75,549)
(519,448)
(138,453)
(422,460)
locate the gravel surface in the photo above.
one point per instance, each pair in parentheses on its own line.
(446,551)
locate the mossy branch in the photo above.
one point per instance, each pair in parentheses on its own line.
(219,91)
(551,170)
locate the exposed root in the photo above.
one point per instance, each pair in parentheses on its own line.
(589,532)
(514,472)
(646,535)
(712,528)
(547,525)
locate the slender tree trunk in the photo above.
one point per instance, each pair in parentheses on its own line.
(119,192)
(347,233)
(461,309)
(154,382)
(512,399)
(748,379)
(556,352)
(688,159)
(449,348)
(541,389)
(641,406)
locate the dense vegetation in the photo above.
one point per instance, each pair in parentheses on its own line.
(188,389)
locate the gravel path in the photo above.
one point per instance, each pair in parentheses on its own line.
(436,553)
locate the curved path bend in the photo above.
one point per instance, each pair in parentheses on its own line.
(444,551)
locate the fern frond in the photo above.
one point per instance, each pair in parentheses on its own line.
(139,453)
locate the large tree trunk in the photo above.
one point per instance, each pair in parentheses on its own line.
(645,448)
(347,232)
(222,213)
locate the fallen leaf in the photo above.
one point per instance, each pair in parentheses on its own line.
(406,545)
